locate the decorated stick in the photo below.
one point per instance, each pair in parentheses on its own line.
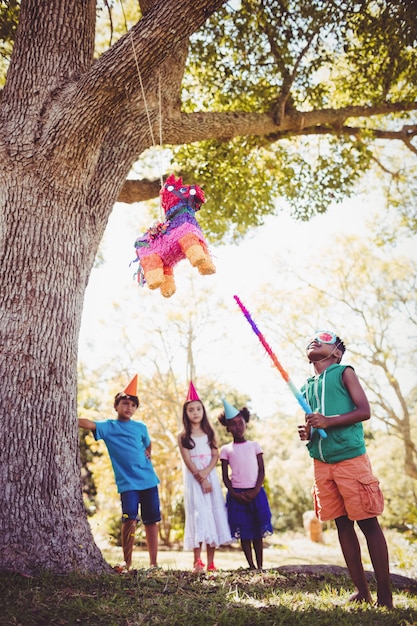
(298,395)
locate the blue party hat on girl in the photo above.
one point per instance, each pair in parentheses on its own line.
(229,411)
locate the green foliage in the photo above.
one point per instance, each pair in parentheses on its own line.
(87,455)
(9,19)
(247,59)
(311,183)
(273,57)
(380,52)
(241,178)
(89,406)
(400,491)
(114,18)
(238,183)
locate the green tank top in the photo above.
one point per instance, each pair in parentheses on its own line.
(328,395)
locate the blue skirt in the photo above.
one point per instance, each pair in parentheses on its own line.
(250,520)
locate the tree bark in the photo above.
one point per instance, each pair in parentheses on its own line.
(71,130)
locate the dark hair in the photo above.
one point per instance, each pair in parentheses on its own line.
(340,346)
(243,413)
(121,395)
(186,440)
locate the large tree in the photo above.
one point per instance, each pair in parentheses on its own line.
(71,128)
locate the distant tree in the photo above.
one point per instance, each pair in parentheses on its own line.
(400,490)
(369,295)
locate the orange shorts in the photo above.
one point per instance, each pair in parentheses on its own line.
(346,488)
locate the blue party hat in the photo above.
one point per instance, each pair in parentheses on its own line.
(229,411)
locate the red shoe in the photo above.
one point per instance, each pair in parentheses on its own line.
(198,566)
(211,567)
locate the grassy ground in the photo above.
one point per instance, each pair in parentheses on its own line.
(290,548)
(304,585)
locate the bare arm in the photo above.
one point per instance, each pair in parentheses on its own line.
(86,423)
(225,475)
(228,483)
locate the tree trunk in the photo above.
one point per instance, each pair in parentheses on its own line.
(71,130)
(44,269)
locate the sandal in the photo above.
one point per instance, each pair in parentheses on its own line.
(211,567)
(198,566)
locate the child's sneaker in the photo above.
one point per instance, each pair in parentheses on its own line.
(211,567)
(198,566)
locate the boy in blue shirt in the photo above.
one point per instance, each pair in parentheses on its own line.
(344,487)
(129,447)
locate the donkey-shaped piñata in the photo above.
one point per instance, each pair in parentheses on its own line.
(177,238)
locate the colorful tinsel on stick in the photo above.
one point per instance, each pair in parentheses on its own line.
(298,395)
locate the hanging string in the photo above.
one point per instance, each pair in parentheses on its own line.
(146,104)
(160,111)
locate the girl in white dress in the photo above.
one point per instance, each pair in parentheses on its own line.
(205,509)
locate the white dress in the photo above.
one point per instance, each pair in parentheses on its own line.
(205,513)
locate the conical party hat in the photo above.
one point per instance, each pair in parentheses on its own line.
(229,410)
(132,388)
(192,393)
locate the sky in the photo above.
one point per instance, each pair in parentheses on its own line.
(240,360)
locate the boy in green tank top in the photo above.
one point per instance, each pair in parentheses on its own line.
(345,488)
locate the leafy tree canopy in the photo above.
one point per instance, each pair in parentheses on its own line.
(313,95)
(287,59)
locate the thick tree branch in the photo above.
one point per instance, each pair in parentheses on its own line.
(139,190)
(224,126)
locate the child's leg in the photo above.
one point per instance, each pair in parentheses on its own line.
(151,531)
(352,553)
(128,540)
(247,549)
(210,555)
(378,552)
(198,565)
(197,553)
(258,547)
(150,513)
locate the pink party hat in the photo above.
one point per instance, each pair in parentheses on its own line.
(192,393)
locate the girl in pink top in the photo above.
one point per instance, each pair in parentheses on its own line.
(248,509)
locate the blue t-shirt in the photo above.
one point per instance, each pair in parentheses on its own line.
(127,443)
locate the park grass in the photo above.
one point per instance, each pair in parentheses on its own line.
(302,583)
(284,595)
